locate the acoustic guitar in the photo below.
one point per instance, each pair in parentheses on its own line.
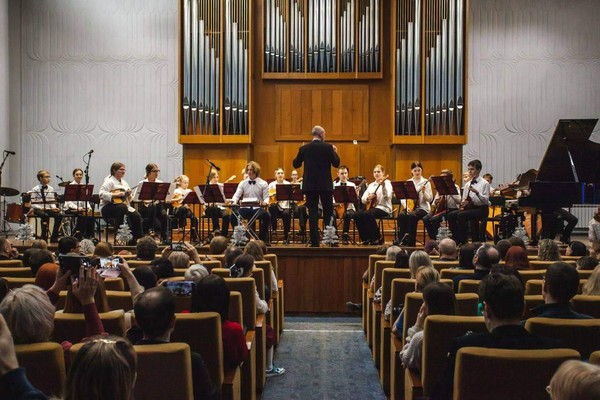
(374,201)
(125,199)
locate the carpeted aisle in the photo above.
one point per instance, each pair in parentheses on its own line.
(324,358)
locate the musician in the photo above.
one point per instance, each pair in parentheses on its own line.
(279,209)
(407,221)
(215,211)
(299,209)
(84,223)
(44,205)
(253,187)
(115,195)
(441,206)
(474,204)
(345,211)
(378,201)
(182,211)
(153,212)
(318,158)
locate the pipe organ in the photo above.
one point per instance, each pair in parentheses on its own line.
(215,67)
(430,61)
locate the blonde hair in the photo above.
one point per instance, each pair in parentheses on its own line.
(424,276)
(575,380)
(29,314)
(177,181)
(255,166)
(380,167)
(548,250)
(592,286)
(255,250)
(104,368)
(418,259)
(179,259)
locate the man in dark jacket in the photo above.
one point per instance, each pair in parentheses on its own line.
(318,158)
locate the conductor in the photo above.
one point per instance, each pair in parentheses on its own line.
(318,158)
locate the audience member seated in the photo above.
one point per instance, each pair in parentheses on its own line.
(155,315)
(484,259)
(7,251)
(503,246)
(466,254)
(46,275)
(3,289)
(218,244)
(418,258)
(432,248)
(575,380)
(425,276)
(242,268)
(503,304)
(516,258)
(103,250)
(254,248)
(231,254)
(145,276)
(212,294)
(438,299)
(587,263)
(195,273)
(561,283)
(517,241)
(68,244)
(448,251)
(595,249)
(548,250)
(86,246)
(162,268)
(40,258)
(577,249)
(592,286)
(146,249)
(401,260)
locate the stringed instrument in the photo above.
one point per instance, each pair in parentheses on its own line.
(374,201)
(125,199)
(178,198)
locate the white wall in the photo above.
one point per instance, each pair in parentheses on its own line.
(531,63)
(101,75)
(4,85)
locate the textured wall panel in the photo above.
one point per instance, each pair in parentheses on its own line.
(99,75)
(530,64)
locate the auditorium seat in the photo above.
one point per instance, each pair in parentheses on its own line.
(45,365)
(16,272)
(468,286)
(11,264)
(440,265)
(586,304)
(71,327)
(500,374)
(582,335)
(14,283)
(366,309)
(532,301)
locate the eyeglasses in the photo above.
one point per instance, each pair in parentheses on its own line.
(155,170)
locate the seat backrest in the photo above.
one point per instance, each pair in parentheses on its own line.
(137,263)
(235,308)
(273,258)
(582,335)
(45,365)
(586,304)
(222,272)
(210,264)
(202,331)
(439,330)
(440,265)
(595,357)
(114,284)
(467,304)
(16,272)
(11,264)
(119,300)
(584,274)
(218,257)
(247,288)
(534,286)
(266,267)
(164,371)
(71,327)
(491,374)
(527,275)
(389,275)
(259,277)
(468,286)
(14,283)
(537,264)
(447,273)
(372,259)
(378,272)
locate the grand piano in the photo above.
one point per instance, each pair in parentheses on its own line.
(569,173)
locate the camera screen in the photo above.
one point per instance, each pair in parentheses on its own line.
(181,288)
(177,246)
(73,263)
(109,267)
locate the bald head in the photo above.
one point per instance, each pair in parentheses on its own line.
(318,131)
(447,248)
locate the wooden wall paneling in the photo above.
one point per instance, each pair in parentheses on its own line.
(230,158)
(349,156)
(373,155)
(433,158)
(269,158)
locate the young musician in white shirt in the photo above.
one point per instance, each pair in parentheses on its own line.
(44,205)
(407,221)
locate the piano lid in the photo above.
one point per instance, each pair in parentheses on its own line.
(571,136)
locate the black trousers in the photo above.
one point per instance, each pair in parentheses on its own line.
(348,216)
(214,213)
(407,226)
(312,203)
(286,217)
(366,222)
(118,212)
(432,223)
(45,216)
(263,216)
(459,220)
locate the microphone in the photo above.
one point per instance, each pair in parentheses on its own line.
(212,164)
(58,177)
(90,152)
(9,152)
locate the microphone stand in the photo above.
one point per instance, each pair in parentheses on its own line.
(5,225)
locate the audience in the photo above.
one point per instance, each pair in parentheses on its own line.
(516,258)
(4,289)
(438,299)
(592,286)
(155,315)
(7,251)
(503,246)
(503,304)
(594,227)
(162,268)
(561,283)
(255,249)
(517,241)
(68,244)
(577,249)
(448,250)
(432,248)
(587,263)
(401,260)
(466,254)
(86,246)
(218,244)
(103,250)
(146,249)
(484,259)
(46,275)
(212,294)
(39,258)
(575,380)
(548,250)
(417,259)
(195,273)
(145,276)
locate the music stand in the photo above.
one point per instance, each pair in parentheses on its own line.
(229,190)
(150,192)
(189,199)
(345,195)
(405,190)
(289,192)
(211,194)
(79,193)
(444,184)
